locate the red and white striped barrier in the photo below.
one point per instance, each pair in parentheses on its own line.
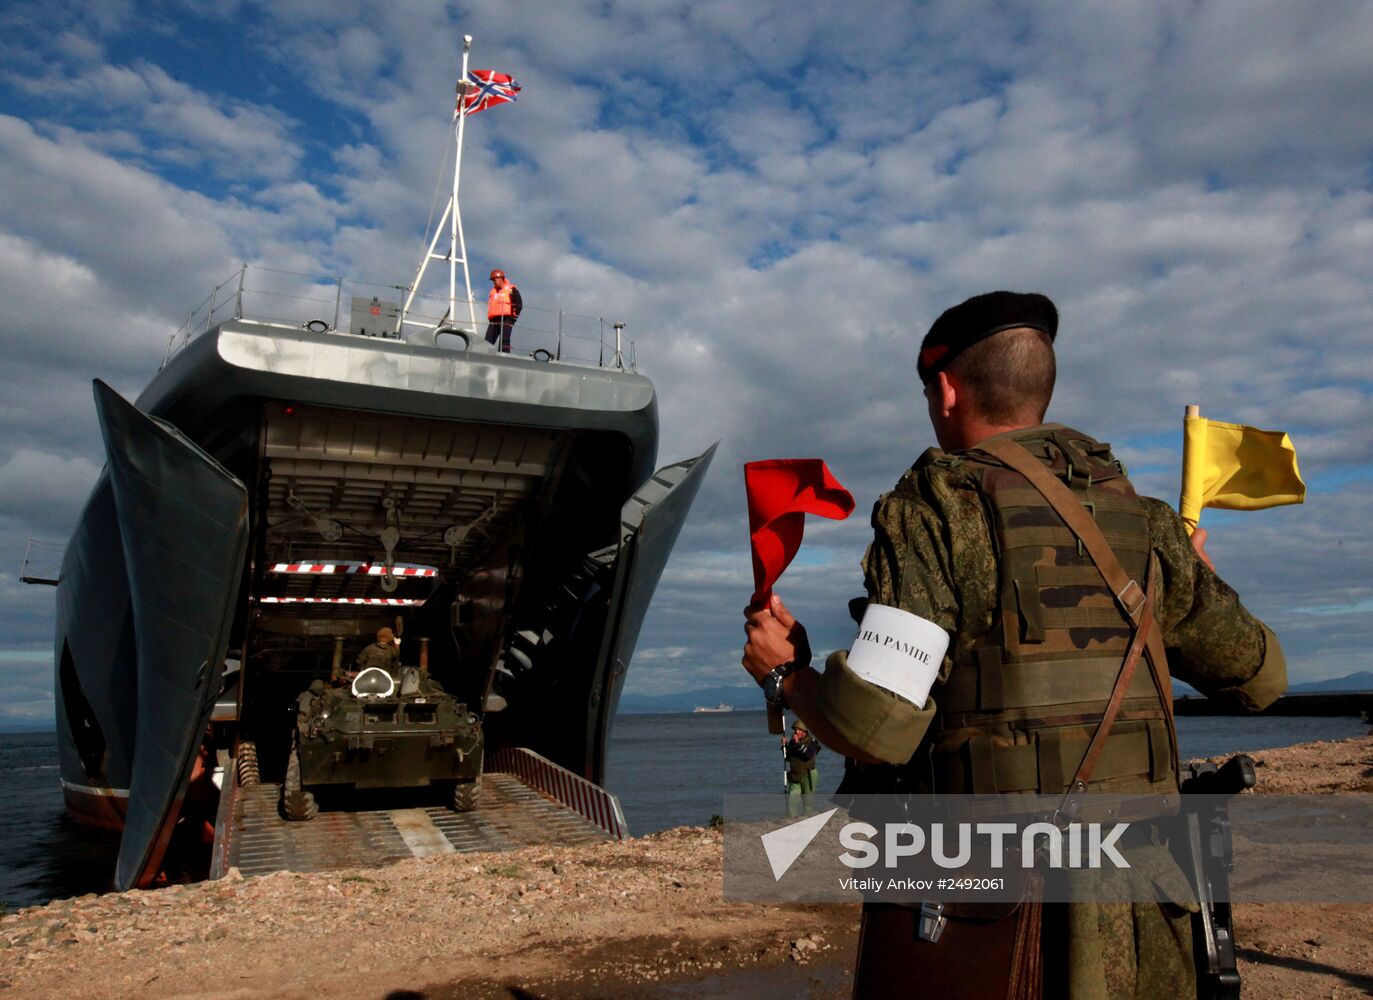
(586,798)
(367,569)
(390,602)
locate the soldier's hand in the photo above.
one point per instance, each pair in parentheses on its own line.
(1199,546)
(775,637)
(795,630)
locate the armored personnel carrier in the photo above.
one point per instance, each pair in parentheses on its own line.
(377,733)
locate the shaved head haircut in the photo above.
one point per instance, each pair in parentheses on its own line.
(1009,375)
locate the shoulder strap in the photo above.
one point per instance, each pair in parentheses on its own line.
(1135,601)
(1128,593)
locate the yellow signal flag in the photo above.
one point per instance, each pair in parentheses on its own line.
(1234,467)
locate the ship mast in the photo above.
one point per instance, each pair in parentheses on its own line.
(452,221)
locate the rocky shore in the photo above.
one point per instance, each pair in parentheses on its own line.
(641,918)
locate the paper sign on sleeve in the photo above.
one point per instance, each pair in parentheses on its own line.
(899,651)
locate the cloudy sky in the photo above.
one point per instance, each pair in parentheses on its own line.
(776,202)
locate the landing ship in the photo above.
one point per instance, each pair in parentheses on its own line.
(287,485)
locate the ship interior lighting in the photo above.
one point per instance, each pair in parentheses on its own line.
(368,569)
(390,602)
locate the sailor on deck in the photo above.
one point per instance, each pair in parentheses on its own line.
(503,306)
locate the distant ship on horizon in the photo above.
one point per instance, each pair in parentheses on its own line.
(722,707)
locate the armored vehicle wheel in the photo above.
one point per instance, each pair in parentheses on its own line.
(245,763)
(296,803)
(466,794)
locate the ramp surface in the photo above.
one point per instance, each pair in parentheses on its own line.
(510,815)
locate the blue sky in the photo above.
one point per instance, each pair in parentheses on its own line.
(776,199)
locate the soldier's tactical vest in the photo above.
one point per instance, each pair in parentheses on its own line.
(798,768)
(377,655)
(1020,705)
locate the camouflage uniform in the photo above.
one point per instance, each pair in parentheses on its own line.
(387,657)
(933,555)
(801,771)
(308,701)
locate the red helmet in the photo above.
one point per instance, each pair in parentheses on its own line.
(497,273)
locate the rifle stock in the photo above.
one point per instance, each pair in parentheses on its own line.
(1206,855)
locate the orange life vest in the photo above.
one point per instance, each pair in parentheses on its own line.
(498,302)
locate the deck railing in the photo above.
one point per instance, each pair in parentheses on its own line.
(268,295)
(42,563)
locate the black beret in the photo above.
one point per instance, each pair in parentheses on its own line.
(977,319)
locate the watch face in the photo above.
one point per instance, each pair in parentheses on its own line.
(772,687)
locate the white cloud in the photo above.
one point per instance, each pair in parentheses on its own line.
(1265,90)
(181,126)
(29,477)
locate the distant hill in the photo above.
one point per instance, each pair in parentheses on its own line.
(1360,681)
(746,697)
(742,697)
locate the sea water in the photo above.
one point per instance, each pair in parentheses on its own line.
(668,770)
(673,770)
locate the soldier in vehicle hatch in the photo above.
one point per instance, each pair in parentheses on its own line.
(1011,541)
(383,653)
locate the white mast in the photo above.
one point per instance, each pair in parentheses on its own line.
(452,215)
(458,242)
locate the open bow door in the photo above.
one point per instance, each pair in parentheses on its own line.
(183,525)
(650,522)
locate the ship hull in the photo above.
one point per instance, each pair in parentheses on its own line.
(94,659)
(100,808)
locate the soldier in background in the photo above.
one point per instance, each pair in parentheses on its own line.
(800,751)
(968,544)
(308,700)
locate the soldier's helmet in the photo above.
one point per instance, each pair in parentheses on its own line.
(385,635)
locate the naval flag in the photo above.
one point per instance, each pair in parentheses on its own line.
(485,88)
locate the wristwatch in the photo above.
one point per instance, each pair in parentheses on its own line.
(772,685)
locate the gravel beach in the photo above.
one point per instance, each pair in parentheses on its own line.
(640,918)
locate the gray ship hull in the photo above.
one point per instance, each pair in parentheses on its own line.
(275,495)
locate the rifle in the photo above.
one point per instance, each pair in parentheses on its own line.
(786,769)
(1206,855)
